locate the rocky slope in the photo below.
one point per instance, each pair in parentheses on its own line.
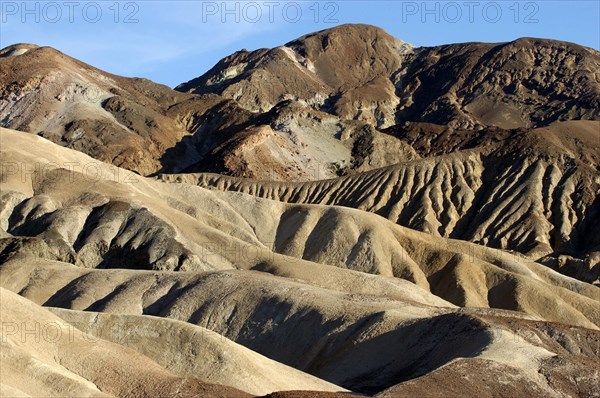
(336,89)
(342,284)
(147,127)
(361,72)
(116,120)
(348,68)
(105,223)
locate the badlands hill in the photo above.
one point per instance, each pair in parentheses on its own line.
(321,298)
(512,195)
(63,361)
(498,144)
(343,213)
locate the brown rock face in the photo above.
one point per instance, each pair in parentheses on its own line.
(525,83)
(361,72)
(114,119)
(348,70)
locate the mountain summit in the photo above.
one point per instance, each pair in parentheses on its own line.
(348,69)
(361,72)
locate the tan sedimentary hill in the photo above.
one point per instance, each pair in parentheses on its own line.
(544,359)
(536,194)
(341,294)
(42,355)
(103,222)
(364,342)
(191,351)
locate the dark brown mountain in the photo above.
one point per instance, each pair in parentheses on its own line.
(360,72)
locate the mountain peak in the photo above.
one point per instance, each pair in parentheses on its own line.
(348,36)
(17,49)
(348,29)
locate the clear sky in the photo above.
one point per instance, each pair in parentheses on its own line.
(171,42)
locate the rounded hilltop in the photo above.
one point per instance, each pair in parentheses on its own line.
(17,49)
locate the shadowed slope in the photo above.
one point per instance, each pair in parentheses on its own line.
(59,360)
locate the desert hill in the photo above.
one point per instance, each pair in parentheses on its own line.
(540,202)
(114,119)
(149,128)
(143,223)
(498,144)
(60,360)
(367,281)
(360,73)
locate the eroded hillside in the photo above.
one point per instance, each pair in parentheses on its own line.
(267,273)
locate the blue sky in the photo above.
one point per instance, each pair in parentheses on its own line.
(171,42)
